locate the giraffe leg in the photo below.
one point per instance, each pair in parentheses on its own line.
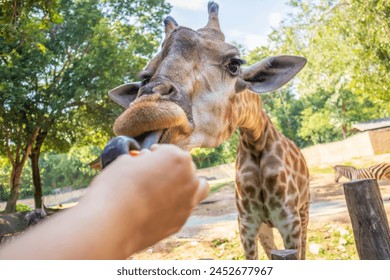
(291,231)
(266,237)
(249,225)
(304,214)
(248,234)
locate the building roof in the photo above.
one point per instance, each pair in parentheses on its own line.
(372,125)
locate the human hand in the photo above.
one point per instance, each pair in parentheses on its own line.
(150,196)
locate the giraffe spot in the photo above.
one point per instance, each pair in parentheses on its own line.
(274,203)
(245,204)
(270,182)
(294,150)
(303,169)
(243,231)
(256,205)
(283,178)
(283,214)
(249,219)
(269,145)
(284,144)
(291,190)
(296,199)
(288,159)
(279,151)
(251,191)
(281,192)
(249,244)
(241,159)
(251,147)
(297,166)
(295,224)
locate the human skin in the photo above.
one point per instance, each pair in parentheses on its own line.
(132,204)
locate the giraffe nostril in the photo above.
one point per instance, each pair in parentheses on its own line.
(159,88)
(172,90)
(165,89)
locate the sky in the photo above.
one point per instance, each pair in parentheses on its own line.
(247,22)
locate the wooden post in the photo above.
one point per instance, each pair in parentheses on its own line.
(284,254)
(368,218)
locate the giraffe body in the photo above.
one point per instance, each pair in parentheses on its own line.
(269,192)
(195,94)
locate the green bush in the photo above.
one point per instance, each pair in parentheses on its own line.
(22,208)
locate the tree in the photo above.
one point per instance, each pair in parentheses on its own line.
(348,63)
(56,76)
(284,109)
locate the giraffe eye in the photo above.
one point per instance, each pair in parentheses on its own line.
(145,81)
(234,67)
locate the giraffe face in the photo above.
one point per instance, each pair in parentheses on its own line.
(189,88)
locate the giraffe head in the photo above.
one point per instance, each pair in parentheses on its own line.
(188,91)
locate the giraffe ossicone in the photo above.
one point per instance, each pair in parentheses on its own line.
(196,93)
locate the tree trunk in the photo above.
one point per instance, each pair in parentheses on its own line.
(16,172)
(344,125)
(344,130)
(15,180)
(36,176)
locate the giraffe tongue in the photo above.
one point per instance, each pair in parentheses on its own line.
(147,139)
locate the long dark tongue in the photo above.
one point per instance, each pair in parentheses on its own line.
(150,138)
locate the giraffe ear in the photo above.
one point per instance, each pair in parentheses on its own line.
(125,94)
(273,72)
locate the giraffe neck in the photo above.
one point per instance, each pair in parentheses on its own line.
(251,119)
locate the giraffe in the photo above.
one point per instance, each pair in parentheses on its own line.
(195,93)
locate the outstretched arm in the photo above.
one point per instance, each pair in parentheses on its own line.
(132,204)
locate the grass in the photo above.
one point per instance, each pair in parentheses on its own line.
(331,241)
(321,170)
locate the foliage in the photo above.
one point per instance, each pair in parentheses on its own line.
(317,127)
(22,208)
(346,79)
(71,169)
(58,60)
(14,18)
(284,109)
